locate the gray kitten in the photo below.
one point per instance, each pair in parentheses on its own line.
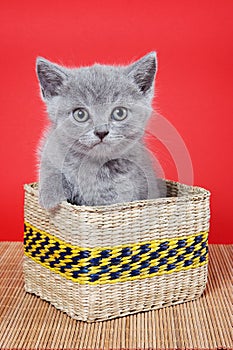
(93,153)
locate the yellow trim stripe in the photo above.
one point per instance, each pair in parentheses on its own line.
(111,264)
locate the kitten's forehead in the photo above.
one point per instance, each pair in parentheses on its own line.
(101,84)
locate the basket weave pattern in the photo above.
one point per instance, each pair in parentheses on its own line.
(97,263)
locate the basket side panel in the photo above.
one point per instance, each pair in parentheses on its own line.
(102,302)
(135,223)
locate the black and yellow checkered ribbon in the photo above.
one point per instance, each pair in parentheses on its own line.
(102,265)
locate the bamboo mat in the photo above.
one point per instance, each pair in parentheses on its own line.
(26,322)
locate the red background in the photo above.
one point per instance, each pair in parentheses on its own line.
(194,43)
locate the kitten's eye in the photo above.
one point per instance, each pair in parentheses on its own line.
(81,115)
(119,113)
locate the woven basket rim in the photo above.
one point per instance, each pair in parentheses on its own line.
(199,194)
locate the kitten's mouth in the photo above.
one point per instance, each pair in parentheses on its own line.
(99,142)
(90,143)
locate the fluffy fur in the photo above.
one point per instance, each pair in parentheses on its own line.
(102,160)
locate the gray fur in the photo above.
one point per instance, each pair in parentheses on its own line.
(75,165)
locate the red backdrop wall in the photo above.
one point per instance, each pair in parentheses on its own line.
(194,43)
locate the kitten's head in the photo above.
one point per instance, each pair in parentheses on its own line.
(100,109)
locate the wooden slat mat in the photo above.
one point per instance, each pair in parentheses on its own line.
(26,322)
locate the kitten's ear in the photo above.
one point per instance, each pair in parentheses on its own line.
(143,72)
(51,77)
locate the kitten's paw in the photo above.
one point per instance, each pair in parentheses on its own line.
(48,201)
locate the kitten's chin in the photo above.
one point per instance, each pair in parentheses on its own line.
(104,151)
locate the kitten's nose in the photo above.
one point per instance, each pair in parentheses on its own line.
(101,134)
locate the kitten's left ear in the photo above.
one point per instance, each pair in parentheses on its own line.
(51,78)
(143,72)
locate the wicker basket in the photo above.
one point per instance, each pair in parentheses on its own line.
(97,263)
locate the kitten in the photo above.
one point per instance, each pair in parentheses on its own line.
(93,153)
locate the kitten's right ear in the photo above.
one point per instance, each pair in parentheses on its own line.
(143,72)
(51,78)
